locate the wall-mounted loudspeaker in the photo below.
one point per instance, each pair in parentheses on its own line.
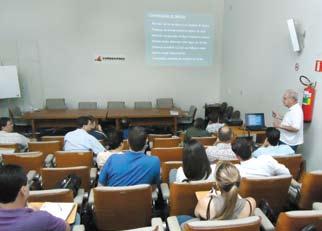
(293,35)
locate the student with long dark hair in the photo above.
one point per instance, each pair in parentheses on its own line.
(195,164)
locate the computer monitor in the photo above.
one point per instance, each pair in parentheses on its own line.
(254,120)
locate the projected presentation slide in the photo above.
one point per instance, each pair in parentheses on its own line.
(176,39)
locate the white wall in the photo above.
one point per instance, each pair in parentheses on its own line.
(258,61)
(53,43)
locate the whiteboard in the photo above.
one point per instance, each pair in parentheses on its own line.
(9,82)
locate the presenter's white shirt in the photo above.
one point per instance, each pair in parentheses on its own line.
(263,166)
(293,118)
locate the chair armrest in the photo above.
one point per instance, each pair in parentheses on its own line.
(165,191)
(155,195)
(266,224)
(317,206)
(173,223)
(93,173)
(79,198)
(30,175)
(78,228)
(91,198)
(49,161)
(157,221)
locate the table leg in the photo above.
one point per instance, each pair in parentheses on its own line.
(117,124)
(175,124)
(33,128)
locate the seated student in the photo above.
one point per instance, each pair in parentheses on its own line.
(96,130)
(213,124)
(271,145)
(115,146)
(134,166)
(197,130)
(195,164)
(7,135)
(14,216)
(263,166)
(222,148)
(224,204)
(80,139)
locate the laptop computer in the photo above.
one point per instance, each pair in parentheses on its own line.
(255,121)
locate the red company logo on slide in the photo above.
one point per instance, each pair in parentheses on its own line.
(98,59)
(318,66)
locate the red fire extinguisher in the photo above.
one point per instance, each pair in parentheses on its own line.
(308,98)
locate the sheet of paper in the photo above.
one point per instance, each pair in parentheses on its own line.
(60,210)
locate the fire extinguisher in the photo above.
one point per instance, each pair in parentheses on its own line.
(308,98)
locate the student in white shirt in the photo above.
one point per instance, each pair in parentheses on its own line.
(291,125)
(222,148)
(271,145)
(213,124)
(115,146)
(195,164)
(80,139)
(263,166)
(8,136)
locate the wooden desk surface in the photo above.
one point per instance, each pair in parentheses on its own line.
(102,113)
(65,114)
(240,131)
(142,113)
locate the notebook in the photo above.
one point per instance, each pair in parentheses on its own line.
(255,121)
(60,210)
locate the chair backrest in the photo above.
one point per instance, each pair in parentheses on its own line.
(242,224)
(74,158)
(166,167)
(205,140)
(296,220)
(143,105)
(10,146)
(192,111)
(168,154)
(293,162)
(311,189)
(46,147)
(51,177)
(166,142)
(273,189)
(51,195)
(182,196)
(152,136)
(87,105)
(27,160)
(55,103)
(119,208)
(115,105)
(165,103)
(14,111)
(54,138)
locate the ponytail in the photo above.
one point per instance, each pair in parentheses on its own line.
(230,199)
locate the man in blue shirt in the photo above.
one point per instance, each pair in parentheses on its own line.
(134,166)
(271,145)
(80,139)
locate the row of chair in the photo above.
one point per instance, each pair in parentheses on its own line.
(118,208)
(59,103)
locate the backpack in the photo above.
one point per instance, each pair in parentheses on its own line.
(72,182)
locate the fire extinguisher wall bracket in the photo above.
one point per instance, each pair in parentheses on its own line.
(308,98)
